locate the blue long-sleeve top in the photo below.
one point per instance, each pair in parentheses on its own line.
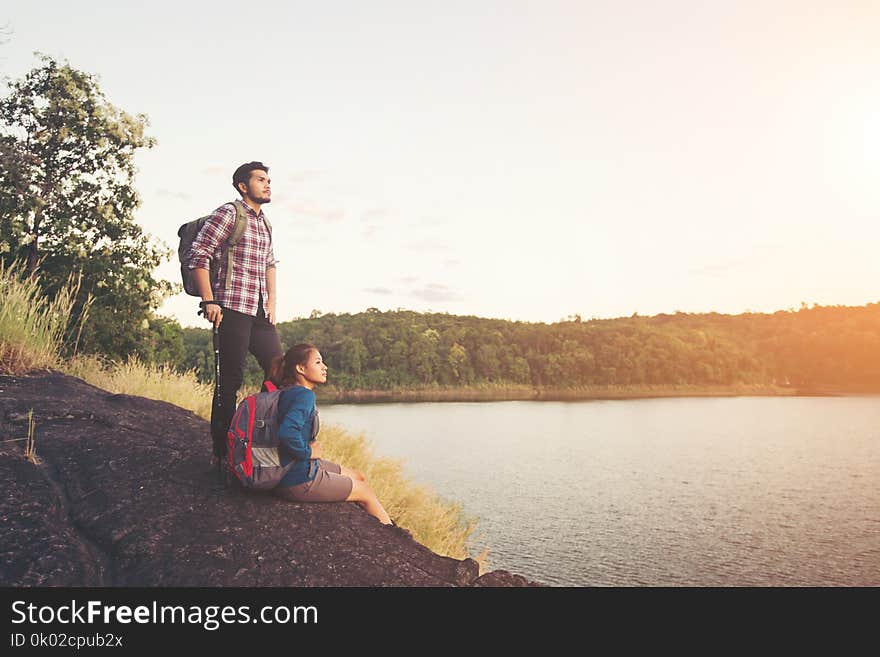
(296,410)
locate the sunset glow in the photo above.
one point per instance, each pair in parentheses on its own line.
(590,158)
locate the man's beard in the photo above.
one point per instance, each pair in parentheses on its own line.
(257,199)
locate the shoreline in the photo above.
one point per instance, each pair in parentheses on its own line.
(531,393)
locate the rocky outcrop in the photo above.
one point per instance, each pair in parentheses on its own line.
(124,497)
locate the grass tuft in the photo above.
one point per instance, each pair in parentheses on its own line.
(32,327)
(30,452)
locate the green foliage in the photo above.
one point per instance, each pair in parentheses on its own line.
(163,342)
(67,200)
(820,346)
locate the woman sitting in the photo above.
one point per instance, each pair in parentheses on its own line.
(311,478)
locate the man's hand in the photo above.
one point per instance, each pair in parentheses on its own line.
(213,313)
(317,450)
(270,295)
(211,310)
(270,310)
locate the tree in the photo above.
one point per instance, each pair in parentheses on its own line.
(486,362)
(353,354)
(423,355)
(67,200)
(459,364)
(164,343)
(519,370)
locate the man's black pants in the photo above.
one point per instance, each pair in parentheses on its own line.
(239,334)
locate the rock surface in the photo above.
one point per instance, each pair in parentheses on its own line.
(124,497)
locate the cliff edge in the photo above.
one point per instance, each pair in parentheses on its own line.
(124,497)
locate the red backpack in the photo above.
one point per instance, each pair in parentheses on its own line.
(252,441)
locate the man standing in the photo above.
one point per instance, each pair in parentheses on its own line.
(243,300)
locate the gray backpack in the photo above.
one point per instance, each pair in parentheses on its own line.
(188,233)
(252,443)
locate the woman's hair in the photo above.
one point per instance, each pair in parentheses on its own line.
(283,370)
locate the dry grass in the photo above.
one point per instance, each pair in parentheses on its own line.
(30,452)
(32,327)
(437,523)
(133,377)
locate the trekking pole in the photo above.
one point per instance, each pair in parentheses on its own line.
(221,469)
(216,367)
(216,401)
(216,353)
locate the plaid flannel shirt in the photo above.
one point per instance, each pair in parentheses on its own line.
(252,256)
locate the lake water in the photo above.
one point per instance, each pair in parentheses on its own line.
(689,491)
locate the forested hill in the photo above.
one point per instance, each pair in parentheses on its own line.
(830,346)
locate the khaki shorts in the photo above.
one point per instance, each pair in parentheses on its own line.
(329,485)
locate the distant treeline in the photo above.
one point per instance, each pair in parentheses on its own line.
(822,346)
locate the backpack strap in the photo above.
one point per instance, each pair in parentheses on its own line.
(241,222)
(269,386)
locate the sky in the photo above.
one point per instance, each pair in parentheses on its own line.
(518,160)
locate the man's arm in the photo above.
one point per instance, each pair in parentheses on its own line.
(270,294)
(203,281)
(217,229)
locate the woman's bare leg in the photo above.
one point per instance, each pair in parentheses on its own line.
(352,474)
(364,495)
